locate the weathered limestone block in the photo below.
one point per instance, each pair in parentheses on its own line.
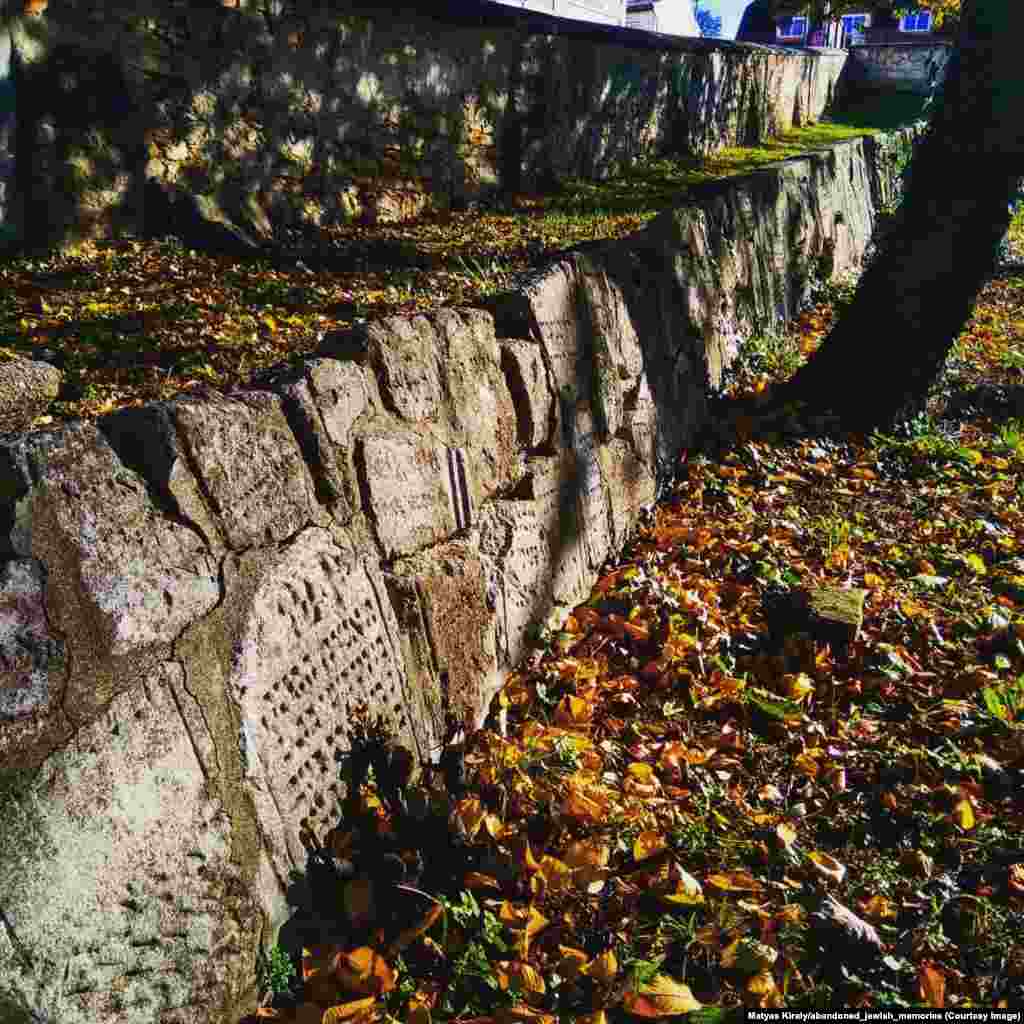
(591,489)
(459,620)
(146,441)
(616,355)
(312,633)
(630,483)
(477,402)
(403,354)
(551,487)
(122,897)
(417,491)
(527,379)
(249,464)
(32,658)
(322,400)
(122,581)
(641,422)
(27,387)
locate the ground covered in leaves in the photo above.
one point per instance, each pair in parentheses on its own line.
(685,804)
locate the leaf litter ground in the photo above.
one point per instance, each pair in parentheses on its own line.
(675,810)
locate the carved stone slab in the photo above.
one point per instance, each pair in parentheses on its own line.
(116,874)
(249,463)
(32,659)
(122,580)
(591,490)
(630,484)
(523,364)
(460,624)
(318,635)
(417,490)
(551,488)
(640,422)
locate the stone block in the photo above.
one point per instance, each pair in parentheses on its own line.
(403,353)
(117,875)
(631,486)
(527,379)
(459,620)
(249,464)
(146,441)
(27,387)
(322,400)
(591,489)
(477,403)
(312,634)
(417,491)
(32,658)
(121,580)
(550,486)
(640,422)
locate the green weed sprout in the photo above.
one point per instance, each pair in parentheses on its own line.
(275,970)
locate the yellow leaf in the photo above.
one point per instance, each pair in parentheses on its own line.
(346,1011)
(663,996)
(689,892)
(603,968)
(735,881)
(963,814)
(786,834)
(881,908)
(762,992)
(364,971)
(556,874)
(976,562)
(647,844)
(873,580)
(827,866)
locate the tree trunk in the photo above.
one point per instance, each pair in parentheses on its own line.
(914,299)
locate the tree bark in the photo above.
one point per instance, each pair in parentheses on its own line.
(913,300)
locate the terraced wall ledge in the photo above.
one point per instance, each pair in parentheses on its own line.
(196,593)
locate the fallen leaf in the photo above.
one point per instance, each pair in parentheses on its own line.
(931,984)
(663,996)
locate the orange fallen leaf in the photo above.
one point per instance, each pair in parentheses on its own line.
(931,984)
(663,996)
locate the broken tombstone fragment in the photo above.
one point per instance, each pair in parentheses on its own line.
(829,615)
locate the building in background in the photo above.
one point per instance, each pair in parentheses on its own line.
(670,17)
(851,29)
(605,12)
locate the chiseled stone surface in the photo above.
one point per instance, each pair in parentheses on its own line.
(477,403)
(27,387)
(459,618)
(322,400)
(630,484)
(316,635)
(122,580)
(32,658)
(249,463)
(527,377)
(121,899)
(403,354)
(416,494)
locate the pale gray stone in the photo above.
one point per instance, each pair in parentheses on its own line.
(27,387)
(527,378)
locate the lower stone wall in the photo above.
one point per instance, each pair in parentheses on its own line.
(196,594)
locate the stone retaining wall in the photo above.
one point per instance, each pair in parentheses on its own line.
(195,593)
(264,121)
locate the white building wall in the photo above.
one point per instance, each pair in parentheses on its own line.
(605,12)
(672,17)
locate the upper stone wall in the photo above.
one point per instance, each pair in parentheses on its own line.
(256,121)
(197,593)
(911,66)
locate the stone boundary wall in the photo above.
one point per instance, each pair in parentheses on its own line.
(262,122)
(911,66)
(195,593)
